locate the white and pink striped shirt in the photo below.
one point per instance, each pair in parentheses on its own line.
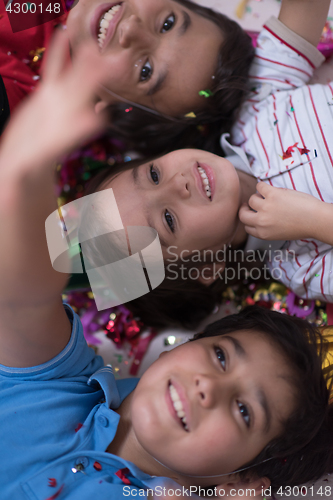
(286,130)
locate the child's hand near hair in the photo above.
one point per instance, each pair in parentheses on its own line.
(60,115)
(283,214)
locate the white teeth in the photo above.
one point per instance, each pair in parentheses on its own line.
(178,405)
(205,182)
(104,24)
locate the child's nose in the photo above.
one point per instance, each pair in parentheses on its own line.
(178,184)
(132,31)
(207,390)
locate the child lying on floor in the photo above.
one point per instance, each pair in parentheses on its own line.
(242,406)
(283,139)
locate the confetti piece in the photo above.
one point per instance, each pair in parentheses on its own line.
(52,482)
(303,151)
(206,93)
(121,474)
(191,115)
(317,274)
(292,109)
(79,426)
(288,114)
(53,497)
(128,110)
(97,466)
(276,121)
(289,151)
(240,9)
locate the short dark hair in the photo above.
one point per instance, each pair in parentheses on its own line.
(153,134)
(304,451)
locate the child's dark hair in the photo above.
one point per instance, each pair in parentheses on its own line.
(152,134)
(304,451)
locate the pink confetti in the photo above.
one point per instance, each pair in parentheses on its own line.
(52,482)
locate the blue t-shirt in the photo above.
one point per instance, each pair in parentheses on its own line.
(56,422)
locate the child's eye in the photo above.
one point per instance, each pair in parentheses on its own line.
(146,72)
(168,23)
(154,174)
(169,220)
(245,413)
(220,356)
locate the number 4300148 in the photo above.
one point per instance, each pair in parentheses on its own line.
(17,8)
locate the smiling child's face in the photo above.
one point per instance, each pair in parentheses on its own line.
(153,49)
(234,394)
(170,195)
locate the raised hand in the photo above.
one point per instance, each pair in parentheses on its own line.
(60,115)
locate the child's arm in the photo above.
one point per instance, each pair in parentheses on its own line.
(305,17)
(284,214)
(33,325)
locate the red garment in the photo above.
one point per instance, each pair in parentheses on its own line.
(15,60)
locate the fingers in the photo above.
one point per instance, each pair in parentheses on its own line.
(256,202)
(57,56)
(247,216)
(90,65)
(264,189)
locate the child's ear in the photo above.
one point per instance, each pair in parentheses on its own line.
(210,272)
(246,488)
(100,106)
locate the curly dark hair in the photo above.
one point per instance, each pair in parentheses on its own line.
(304,451)
(152,134)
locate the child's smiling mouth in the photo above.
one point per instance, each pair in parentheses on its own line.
(178,406)
(105,22)
(205,182)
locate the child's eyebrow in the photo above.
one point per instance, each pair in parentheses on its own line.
(159,83)
(240,351)
(187,21)
(265,406)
